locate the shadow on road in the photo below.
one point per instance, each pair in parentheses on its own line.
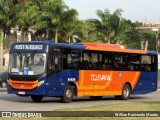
(15,98)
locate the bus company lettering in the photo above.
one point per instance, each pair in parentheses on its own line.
(95,77)
(28,47)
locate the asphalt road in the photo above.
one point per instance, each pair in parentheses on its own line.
(9,102)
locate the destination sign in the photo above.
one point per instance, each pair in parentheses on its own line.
(28,47)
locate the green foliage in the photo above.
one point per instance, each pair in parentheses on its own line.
(134,39)
(7,16)
(110,26)
(53,19)
(151,38)
(1,38)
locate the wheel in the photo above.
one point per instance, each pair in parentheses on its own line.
(68,94)
(36,98)
(96,97)
(3,84)
(126,91)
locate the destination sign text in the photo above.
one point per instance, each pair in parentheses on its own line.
(28,47)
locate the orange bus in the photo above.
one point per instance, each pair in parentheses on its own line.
(80,69)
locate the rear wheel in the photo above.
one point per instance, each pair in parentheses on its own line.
(68,94)
(126,91)
(36,98)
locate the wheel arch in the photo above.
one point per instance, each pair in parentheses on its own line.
(74,87)
(128,83)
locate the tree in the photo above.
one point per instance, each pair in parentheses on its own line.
(134,39)
(69,23)
(50,18)
(26,17)
(1,51)
(82,30)
(150,37)
(7,20)
(110,25)
(121,32)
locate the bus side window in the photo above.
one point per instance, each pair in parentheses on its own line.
(55,59)
(73,59)
(51,62)
(146,63)
(86,59)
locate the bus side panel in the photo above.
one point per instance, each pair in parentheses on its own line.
(103,83)
(57,83)
(147,83)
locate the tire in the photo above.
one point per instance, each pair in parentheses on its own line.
(68,94)
(3,84)
(96,97)
(126,91)
(36,98)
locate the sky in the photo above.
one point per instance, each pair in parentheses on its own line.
(135,10)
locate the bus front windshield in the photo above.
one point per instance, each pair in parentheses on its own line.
(27,63)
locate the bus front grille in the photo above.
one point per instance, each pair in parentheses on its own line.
(23,85)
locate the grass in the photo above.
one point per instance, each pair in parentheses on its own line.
(132,106)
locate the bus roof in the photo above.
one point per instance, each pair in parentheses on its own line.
(89,46)
(114,48)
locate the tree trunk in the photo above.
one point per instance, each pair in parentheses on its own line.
(146,46)
(56,36)
(69,39)
(1,51)
(105,39)
(142,45)
(109,41)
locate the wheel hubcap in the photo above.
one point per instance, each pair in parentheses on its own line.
(68,93)
(126,92)
(3,84)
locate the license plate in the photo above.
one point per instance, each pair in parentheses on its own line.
(21,93)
